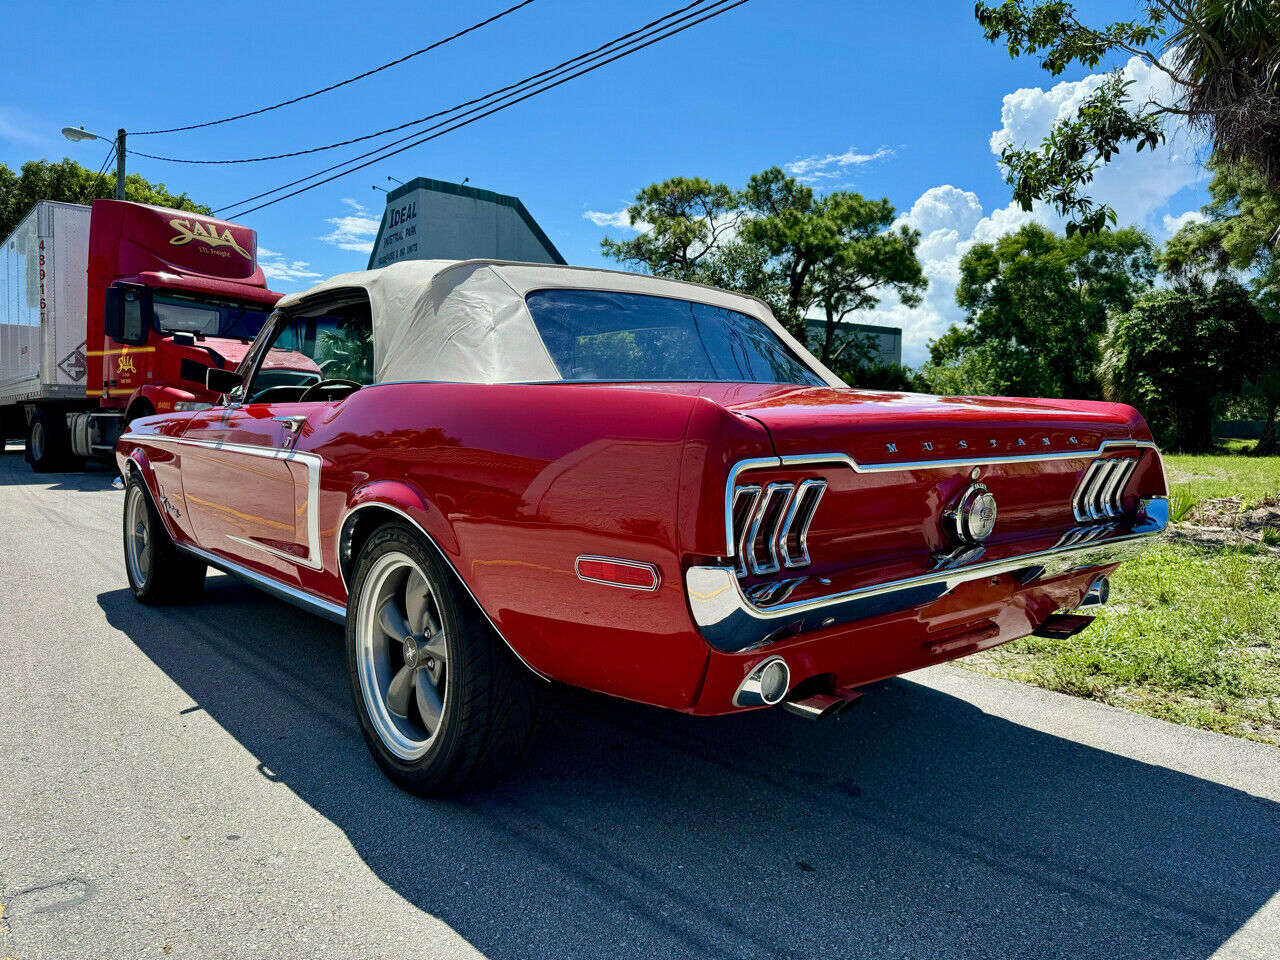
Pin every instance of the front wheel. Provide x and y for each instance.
(158, 571)
(442, 702)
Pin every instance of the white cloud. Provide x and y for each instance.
(1138, 186)
(1173, 224)
(276, 267)
(618, 219)
(817, 168)
(950, 221)
(353, 231)
(1134, 184)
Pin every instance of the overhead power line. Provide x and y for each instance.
(707, 13)
(493, 94)
(496, 96)
(341, 83)
(102, 169)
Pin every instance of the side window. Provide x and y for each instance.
(132, 328)
(305, 350)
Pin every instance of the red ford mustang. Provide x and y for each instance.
(498, 474)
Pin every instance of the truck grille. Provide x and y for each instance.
(1100, 494)
(771, 525)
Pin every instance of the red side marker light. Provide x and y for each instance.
(628, 574)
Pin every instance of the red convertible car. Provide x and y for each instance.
(500, 474)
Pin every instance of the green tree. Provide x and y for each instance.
(1239, 236)
(1221, 57)
(1036, 305)
(836, 253)
(1238, 233)
(779, 241)
(684, 223)
(1178, 353)
(69, 182)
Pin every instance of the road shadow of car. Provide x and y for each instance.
(915, 826)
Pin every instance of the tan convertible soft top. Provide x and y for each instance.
(466, 320)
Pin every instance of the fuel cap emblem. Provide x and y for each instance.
(973, 515)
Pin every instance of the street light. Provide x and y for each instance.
(76, 134)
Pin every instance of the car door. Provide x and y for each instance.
(252, 494)
(249, 495)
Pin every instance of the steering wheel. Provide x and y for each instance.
(324, 386)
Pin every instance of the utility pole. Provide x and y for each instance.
(120, 164)
(80, 133)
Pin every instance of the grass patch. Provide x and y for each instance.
(1211, 477)
(1192, 632)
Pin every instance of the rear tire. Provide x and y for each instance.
(466, 709)
(49, 443)
(158, 572)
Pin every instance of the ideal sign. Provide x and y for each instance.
(433, 220)
(398, 236)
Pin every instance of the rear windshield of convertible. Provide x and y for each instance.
(599, 335)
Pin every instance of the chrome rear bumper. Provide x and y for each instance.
(730, 621)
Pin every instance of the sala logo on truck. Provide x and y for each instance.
(207, 234)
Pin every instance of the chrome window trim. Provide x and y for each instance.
(843, 459)
(312, 461)
(730, 621)
(652, 568)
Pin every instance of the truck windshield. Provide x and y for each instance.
(208, 316)
(597, 335)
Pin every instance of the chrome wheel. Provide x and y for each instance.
(401, 655)
(37, 441)
(138, 533)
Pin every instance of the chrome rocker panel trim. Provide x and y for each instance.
(282, 591)
(731, 622)
(843, 459)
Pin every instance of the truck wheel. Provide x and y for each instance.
(49, 443)
(141, 408)
(442, 702)
(158, 571)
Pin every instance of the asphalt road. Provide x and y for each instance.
(191, 783)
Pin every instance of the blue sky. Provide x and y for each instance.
(896, 100)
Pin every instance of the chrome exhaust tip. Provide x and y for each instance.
(819, 706)
(1098, 593)
(766, 684)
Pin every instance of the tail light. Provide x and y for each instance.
(771, 525)
(1100, 493)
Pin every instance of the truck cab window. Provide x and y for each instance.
(207, 316)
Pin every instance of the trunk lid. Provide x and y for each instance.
(895, 465)
(876, 428)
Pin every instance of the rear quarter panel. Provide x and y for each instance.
(514, 483)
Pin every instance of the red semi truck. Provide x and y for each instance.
(113, 312)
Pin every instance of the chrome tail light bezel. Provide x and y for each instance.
(771, 524)
(1099, 496)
